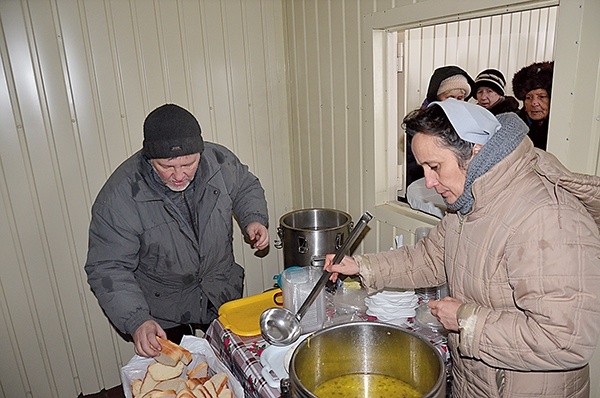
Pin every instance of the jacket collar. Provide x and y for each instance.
(490, 185)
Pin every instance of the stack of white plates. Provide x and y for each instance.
(393, 307)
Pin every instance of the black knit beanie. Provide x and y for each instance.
(171, 131)
(491, 78)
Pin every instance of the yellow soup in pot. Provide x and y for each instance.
(366, 386)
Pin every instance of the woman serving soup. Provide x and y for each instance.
(520, 251)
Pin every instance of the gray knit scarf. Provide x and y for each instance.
(499, 146)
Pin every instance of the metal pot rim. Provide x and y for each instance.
(315, 209)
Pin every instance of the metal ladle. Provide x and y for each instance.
(280, 326)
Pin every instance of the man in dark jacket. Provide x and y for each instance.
(160, 256)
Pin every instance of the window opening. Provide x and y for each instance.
(506, 42)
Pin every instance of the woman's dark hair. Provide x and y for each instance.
(434, 122)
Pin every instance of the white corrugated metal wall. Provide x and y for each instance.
(78, 78)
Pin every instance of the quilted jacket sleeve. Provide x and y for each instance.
(246, 192)
(407, 267)
(112, 257)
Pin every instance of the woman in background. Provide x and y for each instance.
(446, 82)
(533, 86)
(489, 91)
(449, 82)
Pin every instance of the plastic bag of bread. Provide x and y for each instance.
(201, 355)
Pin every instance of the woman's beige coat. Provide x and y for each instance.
(526, 264)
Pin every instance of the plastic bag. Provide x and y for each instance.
(200, 350)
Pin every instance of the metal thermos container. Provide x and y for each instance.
(307, 235)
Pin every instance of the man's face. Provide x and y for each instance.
(537, 104)
(177, 173)
(440, 166)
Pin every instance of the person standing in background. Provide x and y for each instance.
(160, 253)
(489, 91)
(448, 81)
(533, 85)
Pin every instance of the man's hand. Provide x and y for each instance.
(446, 310)
(144, 339)
(258, 234)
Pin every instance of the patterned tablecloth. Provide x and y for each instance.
(242, 355)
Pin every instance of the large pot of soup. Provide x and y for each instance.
(366, 359)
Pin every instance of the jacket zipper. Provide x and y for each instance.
(461, 221)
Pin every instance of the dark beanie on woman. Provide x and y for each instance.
(171, 131)
(491, 78)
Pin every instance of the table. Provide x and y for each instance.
(241, 354)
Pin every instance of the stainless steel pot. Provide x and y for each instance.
(307, 235)
(366, 347)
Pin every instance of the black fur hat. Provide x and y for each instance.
(532, 77)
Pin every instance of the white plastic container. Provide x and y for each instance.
(296, 284)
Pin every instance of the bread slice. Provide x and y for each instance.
(148, 384)
(226, 393)
(185, 394)
(186, 358)
(201, 392)
(202, 389)
(210, 387)
(193, 383)
(170, 353)
(177, 384)
(160, 394)
(136, 387)
(160, 371)
(219, 380)
(201, 370)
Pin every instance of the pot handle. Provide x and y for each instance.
(278, 242)
(317, 261)
(303, 245)
(284, 387)
(267, 374)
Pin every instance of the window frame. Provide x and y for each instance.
(379, 50)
